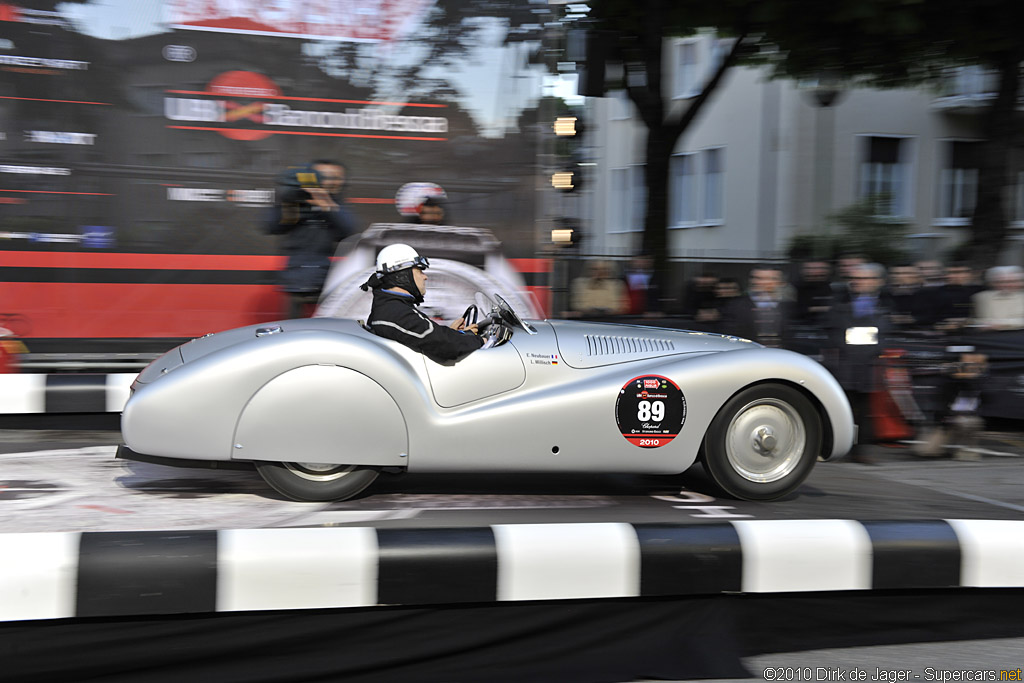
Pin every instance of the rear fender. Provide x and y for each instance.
(322, 414)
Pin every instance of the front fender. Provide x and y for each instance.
(322, 414)
(722, 375)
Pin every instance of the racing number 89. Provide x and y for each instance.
(647, 410)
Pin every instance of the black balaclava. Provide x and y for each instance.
(400, 278)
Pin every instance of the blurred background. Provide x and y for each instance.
(630, 160)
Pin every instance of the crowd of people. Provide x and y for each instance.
(925, 297)
(844, 315)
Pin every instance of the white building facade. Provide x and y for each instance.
(764, 162)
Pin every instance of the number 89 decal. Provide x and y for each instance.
(650, 411)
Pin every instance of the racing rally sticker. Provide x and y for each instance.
(650, 411)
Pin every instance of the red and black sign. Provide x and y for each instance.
(650, 411)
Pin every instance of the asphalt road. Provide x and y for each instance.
(71, 481)
(66, 480)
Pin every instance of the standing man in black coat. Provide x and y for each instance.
(858, 329)
(764, 315)
(313, 218)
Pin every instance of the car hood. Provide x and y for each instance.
(590, 345)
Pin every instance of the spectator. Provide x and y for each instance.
(907, 296)
(764, 315)
(643, 293)
(313, 218)
(955, 298)
(709, 319)
(957, 420)
(814, 294)
(857, 333)
(1001, 306)
(932, 273)
(431, 212)
(845, 268)
(700, 296)
(599, 293)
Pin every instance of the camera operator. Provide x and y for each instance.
(313, 218)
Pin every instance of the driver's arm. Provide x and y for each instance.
(443, 343)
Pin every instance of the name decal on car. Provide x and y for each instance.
(650, 411)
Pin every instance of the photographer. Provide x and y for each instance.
(313, 218)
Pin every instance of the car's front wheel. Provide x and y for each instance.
(316, 482)
(763, 443)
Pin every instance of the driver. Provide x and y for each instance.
(398, 284)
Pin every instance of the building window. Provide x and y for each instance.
(714, 172)
(696, 188)
(884, 174)
(638, 197)
(720, 49)
(628, 199)
(686, 63)
(683, 189)
(970, 82)
(958, 180)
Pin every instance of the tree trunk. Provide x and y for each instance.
(989, 224)
(661, 139)
(660, 143)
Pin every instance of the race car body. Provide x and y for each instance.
(320, 406)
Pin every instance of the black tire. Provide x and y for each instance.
(763, 443)
(308, 482)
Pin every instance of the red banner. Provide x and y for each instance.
(355, 20)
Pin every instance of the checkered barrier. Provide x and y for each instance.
(97, 574)
(27, 393)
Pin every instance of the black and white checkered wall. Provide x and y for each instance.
(59, 575)
(26, 393)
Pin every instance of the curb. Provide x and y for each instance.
(32, 393)
(98, 574)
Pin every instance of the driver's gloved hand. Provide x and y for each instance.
(496, 336)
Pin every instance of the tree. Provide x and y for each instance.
(898, 43)
(635, 34)
(870, 43)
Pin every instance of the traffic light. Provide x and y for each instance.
(568, 130)
(566, 233)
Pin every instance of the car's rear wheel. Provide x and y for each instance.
(763, 443)
(316, 482)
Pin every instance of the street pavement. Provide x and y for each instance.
(71, 481)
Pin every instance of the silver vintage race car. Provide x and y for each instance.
(321, 406)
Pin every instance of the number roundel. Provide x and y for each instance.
(650, 411)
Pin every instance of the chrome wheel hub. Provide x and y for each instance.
(765, 440)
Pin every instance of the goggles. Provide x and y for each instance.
(420, 262)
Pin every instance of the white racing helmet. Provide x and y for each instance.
(396, 257)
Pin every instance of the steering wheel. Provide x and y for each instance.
(510, 316)
(487, 327)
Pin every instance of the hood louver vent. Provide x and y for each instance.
(602, 345)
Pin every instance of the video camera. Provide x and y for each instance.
(293, 184)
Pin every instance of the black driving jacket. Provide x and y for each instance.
(394, 316)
